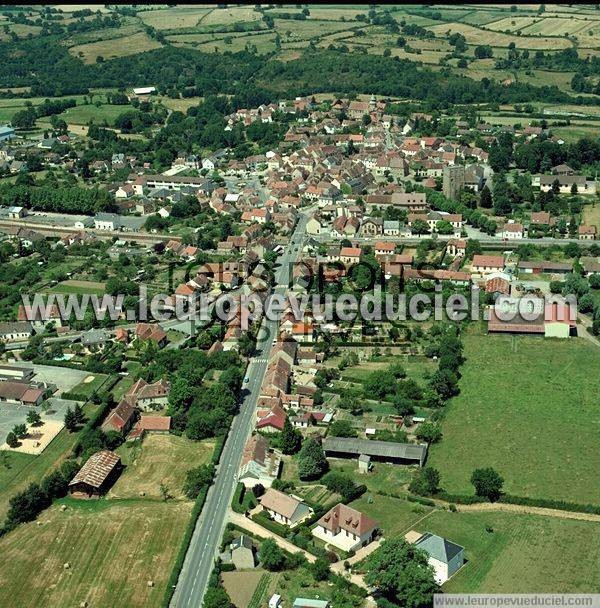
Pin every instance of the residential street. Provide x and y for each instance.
(204, 545)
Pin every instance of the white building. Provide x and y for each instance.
(284, 508)
(345, 528)
(445, 556)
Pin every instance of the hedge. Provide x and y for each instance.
(183, 549)
(189, 531)
(421, 500)
(237, 502)
(549, 503)
(263, 519)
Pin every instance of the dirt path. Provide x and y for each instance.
(503, 506)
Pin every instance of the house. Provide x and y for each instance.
(284, 508)
(6, 133)
(260, 464)
(444, 556)
(540, 218)
(242, 552)
(483, 264)
(384, 248)
(273, 421)
(107, 221)
(590, 265)
(20, 393)
(148, 397)
(121, 418)
(345, 528)
(562, 170)
(14, 331)
(301, 602)
(384, 451)
(372, 226)
(413, 201)
(350, 255)
(40, 317)
(586, 233)
(511, 231)
(151, 331)
(96, 475)
(456, 247)
(94, 338)
(552, 320)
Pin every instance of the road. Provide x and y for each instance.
(203, 549)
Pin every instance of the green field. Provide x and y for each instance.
(113, 549)
(88, 388)
(522, 554)
(529, 408)
(17, 470)
(79, 287)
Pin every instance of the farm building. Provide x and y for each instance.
(387, 451)
(96, 475)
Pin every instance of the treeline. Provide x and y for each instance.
(59, 199)
(49, 69)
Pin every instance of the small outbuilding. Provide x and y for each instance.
(96, 476)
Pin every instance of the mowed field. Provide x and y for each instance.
(529, 408)
(79, 287)
(117, 47)
(591, 215)
(158, 460)
(522, 554)
(113, 550)
(113, 546)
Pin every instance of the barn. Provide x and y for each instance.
(386, 451)
(96, 475)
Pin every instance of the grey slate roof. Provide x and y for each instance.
(382, 449)
(437, 547)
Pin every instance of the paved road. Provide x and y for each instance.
(199, 560)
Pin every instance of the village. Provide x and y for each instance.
(334, 423)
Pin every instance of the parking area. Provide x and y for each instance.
(63, 377)
(52, 415)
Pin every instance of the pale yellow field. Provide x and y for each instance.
(119, 47)
(231, 15)
(511, 23)
(264, 43)
(591, 215)
(174, 18)
(475, 35)
(150, 464)
(561, 27)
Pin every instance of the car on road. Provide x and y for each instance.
(246, 380)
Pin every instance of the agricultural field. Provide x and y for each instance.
(113, 549)
(79, 287)
(476, 36)
(528, 408)
(150, 464)
(505, 552)
(264, 43)
(117, 47)
(174, 18)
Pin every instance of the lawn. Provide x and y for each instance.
(174, 18)
(94, 383)
(523, 554)
(384, 477)
(82, 115)
(591, 215)
(529, 408)
(159, 459)
(113, 550)
(79, 287)
(17, 471)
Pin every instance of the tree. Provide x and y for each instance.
(420, 227)
(485, 198)
(216, 597)
(12, 440)
(197, 479)
(488, 483)
(34, 418)
(320, 569)
(70, 420)
(425, 482)
(291, 439)
(402, 574)
(341, 428)
(342, 484)
(20, 430)
(378, 384)
(429, 432)
(271, 556)
(483, 52)
(311, 460)
(444, 227)
(556, 286)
